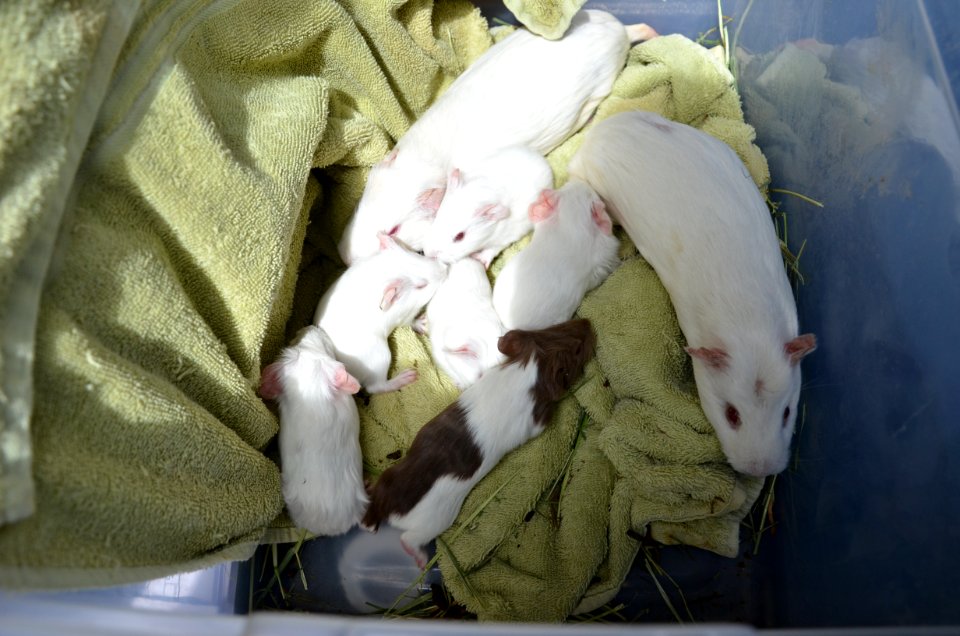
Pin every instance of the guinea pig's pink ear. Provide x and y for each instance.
(544, 206)
(800, 347)
(715, 358)
(598, 211)
(430, 199)
(493, 212)
(386, 240)
(391, 293)
(343, 381)
(270, 385)
(387, 161)
(454, 179)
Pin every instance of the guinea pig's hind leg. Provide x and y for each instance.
(395, 383)
(418, 554)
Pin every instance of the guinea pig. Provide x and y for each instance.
(523, 91)
(463, 326)
(485, 206)
(572, 251)
(371, 298)
(400, 199)
(689, 204)
(321, 463)
(422, 493)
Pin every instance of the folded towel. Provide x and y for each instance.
(631, 450)
(179, 253)
(547, 18)
(55, 60)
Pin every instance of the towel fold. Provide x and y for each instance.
(179, 253)
(547, 18)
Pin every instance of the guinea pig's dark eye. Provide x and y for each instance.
(458, 237)
(733, 416)
(786, 415)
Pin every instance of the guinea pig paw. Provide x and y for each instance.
(404, 378)
(420, 324)
(418, 555)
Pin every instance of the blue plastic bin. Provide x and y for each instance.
(868, 515)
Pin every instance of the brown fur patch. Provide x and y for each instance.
(560, 352)
(444, 446)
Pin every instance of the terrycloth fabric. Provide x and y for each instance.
(548, 18)
(177, 260)
(55, 60)
(552, 535)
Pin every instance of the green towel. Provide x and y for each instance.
(631, 450)
(55, 62)
(548, 18)
(177, 259)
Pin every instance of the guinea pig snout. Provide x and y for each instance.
(761, 467)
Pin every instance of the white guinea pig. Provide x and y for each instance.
(400, 199)
(486, 203)
(373, 297)
(321, 462)
(523, 91)
(463, 326)
(693, 211)
(422, 493)
(572, 251)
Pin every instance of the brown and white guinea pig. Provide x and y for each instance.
(422, 493)
(572, 251)
(373, 297)
(523, 91)
(693, 211)
(321, 462)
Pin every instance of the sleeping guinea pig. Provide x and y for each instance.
(523, 91)
(572, 251)
(423, 492)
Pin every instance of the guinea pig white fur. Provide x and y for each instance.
(422, 493)
(463, 326)
(373, 297)
(400, 199)
(321, 462)
(694, 213)
(572, 251)
(486, 205)
(523, 91)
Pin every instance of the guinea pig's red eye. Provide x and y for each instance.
(458, 237)
(393, 230)
(733, 416)
(786, 415)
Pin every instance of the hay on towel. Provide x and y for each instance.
(548, 545)
(179, 253)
